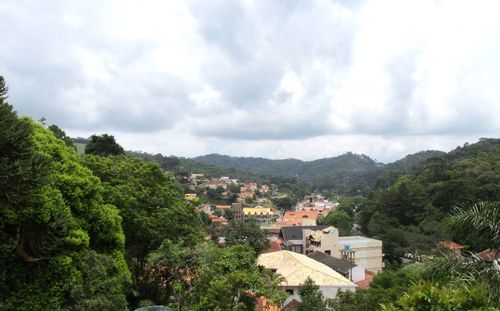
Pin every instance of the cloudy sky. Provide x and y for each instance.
(276, 79)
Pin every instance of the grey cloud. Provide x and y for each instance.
(47, 79)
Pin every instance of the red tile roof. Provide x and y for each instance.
(489, 254)
(274, 246)
(364, 284)
(450, 245)
(295, 215)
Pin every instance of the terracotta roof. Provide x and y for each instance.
(262, 305)
(290, 215)
(220, 206)
(489, 254)
(364, 284)
(274, 246)
(296, 268)
(450, 245)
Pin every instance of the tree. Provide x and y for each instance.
(467, 268)
(52, 220)
(59, 133)
(312, 298)
(424, 296)
(340, 220)
(228, 279)
(103, 145)
(249, 233)
(153, 210)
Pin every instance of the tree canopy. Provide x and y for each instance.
(103, 145)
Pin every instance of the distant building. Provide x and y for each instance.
(362, 251)
(223, 207)
(259, 213)
(191, 197)
(308, 218)
(237, 209)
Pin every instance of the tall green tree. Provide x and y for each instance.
(153, 210)
(103, 145)
(59, 133)
(340, 220)
(229, 279)
(311, 297)
(55, 229)
(249, 233)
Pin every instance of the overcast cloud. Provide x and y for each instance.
(276, 79)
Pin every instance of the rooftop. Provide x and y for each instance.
(356, 239)
(336, 264)
(296, 268)
(257, 211)
(295, 232)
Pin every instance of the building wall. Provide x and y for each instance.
(368, 254)
(328, 291)
(357, 274)
(237, 209)
(332, 291)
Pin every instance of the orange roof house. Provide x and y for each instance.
(220, 206)
(451, 246)
(308, 218)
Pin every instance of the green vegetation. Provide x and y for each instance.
(106, 231)
(61, 244)
(312, 298)
(410, 214)
(103, 145)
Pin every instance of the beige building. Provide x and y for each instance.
(296, 268)
(362, 251)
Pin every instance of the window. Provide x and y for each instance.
(328, 252)
(289, 291)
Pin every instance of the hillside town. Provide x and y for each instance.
(299, 247)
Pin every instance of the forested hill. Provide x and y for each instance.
(409, 214)
(413, 161)
(348, 162)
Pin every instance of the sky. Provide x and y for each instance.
(275, 79)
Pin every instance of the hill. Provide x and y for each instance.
(348, 162)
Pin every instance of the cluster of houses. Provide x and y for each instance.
(246, 190)
(300, 248)
(336, 264)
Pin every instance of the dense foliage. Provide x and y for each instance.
(409, 215)
(153, 211)
(61, 244)
(103, 145)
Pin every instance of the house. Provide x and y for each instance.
(345, 267)
(308, 217)
(259, 213)
(362, 251)
(451, 246)
(489, 254)
(191, 197)
(296, 268)
(217, 219)
(222, 207)
(246, 194)
(237, 209)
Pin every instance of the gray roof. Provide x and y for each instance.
(337, 264)
(295, 232)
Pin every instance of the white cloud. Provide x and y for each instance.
(277, 79)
